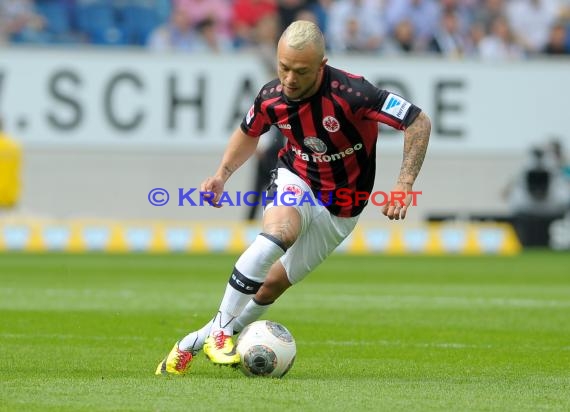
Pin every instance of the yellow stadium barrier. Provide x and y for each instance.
(33, 235)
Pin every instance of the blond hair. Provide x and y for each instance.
(302, 33)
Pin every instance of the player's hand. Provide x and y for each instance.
(211, 190)
(399, 200)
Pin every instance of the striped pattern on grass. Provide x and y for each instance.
(85, 333)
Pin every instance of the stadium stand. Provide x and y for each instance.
(130, 22)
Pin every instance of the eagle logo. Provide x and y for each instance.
(331, 124)
(291, 188)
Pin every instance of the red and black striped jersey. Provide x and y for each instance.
(331, 136)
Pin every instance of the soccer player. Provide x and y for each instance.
(330, 121)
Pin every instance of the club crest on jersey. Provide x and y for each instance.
(250, 114)
(291, 188)
(331, 124)
(315, 144)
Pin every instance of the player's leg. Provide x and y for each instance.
(324, 235)
(281, 227)
(179, 359)
(275, 284)
(283, 222)
(321, 238)
(194, 341)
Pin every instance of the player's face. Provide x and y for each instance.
(300, 71)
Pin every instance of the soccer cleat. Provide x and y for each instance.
(176, 363)
(221, 350)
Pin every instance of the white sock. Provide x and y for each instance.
(194, 341)
(246, 279)
(252, 312)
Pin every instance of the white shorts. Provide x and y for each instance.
(321, 232)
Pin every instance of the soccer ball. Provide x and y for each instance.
(266, 349)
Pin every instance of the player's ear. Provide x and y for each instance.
(323, 63)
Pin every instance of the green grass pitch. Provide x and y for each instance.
(376, 333)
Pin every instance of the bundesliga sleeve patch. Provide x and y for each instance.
(249, 115)
(396, 106)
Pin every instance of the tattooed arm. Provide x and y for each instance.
(240, 148)
(416, 138)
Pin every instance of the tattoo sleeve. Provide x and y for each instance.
(416, 138)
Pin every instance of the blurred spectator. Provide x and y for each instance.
(488, 11)
(246, 15)
(447, 27)
(463, 11)
(176, 35)
(208, 39)
(448, 39)
(557, 40)
(476, 33)
(402, 40)
(20, 23)
(288, 10)
(307, 15)
(500, 43)
(423, 14)
(264, 42)
(321, 10)
(219, 11)
(530, 21)
(564, 11)
(355, 26)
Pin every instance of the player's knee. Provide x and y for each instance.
(283, 223)
(284, 237)
(286, 232)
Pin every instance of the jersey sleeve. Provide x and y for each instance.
(389, 108)
(255, 122)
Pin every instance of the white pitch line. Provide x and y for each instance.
(396, 343)
(423, 345)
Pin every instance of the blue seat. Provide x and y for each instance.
(94, 16)
(109, 36)
(139, 19)
(56, 15)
